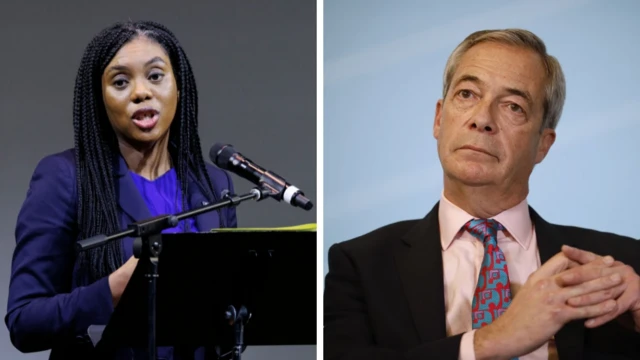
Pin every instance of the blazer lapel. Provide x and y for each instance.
(570, 339)
(418, 257)
(129, 198)
(206, 221)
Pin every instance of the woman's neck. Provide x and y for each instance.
(149, 161)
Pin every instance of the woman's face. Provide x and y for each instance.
(140, 93)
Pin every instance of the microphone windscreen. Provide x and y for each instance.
(220, 154)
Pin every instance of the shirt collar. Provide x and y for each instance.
(516, 221)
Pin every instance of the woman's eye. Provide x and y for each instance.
(156, 77)
(119, 83)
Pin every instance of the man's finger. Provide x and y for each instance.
(577, 275)
(558, 263)
(623, 303)
(598, 296)
(593, 311)
(598, 284)
(574, 264)
(601, 320)
(579, 255)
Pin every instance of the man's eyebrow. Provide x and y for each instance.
(522, 93)
(513, 91)
(470, 78)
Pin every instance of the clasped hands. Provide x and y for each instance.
(622, 295)
(572, 285)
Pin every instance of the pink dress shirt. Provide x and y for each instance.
(462, 257)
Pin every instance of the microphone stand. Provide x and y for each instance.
(147, 246)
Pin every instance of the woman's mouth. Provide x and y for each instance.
(146, 119)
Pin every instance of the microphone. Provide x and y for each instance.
(227, 158)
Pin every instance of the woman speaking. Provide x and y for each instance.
(137, 155)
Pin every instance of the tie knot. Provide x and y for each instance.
(483, 229)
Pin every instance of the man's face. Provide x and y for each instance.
(488, 125)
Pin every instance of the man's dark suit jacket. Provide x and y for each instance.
(384, 294)
(45, 310)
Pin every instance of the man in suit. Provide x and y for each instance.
(441, 287)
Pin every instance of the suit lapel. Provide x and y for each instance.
(418, 257)
(570, 339)
(129, 198)
(206, 221)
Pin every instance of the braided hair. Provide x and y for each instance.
(96, 146)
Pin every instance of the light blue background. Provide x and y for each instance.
(383, 66)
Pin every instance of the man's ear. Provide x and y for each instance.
(547, 138)
(437, 119)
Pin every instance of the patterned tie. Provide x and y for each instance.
(493, 293)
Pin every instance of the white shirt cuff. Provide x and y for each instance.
(467, 352)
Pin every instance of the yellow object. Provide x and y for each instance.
(304, 227)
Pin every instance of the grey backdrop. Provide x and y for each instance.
(255, 68)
